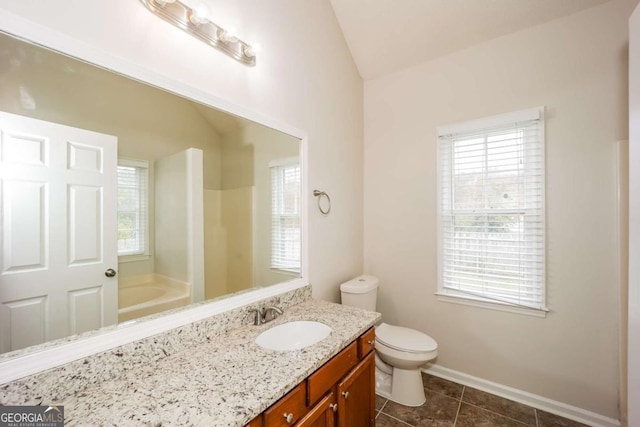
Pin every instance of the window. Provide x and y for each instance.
(491, 213)
(132, 207)
(285, 215)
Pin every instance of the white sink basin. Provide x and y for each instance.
(293, 335)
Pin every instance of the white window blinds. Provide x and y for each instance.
(133, 176)
(285, 216)
(492, 229)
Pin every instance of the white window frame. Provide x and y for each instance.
(143, 255)
(453, 296)
(275, 166)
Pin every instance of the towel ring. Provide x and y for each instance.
(319, 195)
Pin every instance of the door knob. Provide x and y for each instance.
(110, 272)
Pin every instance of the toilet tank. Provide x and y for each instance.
(360, 292)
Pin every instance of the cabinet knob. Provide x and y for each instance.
(371, 342)
(288, 417)
(334, 407)
(345, 394)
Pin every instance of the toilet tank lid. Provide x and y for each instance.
(360, 285)
(405, 339)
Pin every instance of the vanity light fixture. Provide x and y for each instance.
(228, 36)
(195, 21)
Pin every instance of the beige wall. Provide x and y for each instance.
(577, 68)
(305, 77)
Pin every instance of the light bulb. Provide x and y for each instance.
(228, 36)
(199, 14)
(251, 51)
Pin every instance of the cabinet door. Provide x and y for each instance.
(322, 415)
(356, 396)
(256, 422)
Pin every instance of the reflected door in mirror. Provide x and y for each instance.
(58, 201)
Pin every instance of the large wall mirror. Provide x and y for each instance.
(120, 200)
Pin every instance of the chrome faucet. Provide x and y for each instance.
(271, 313)
(266, 314)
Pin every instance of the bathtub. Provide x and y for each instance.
(147, 294)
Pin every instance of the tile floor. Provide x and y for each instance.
(452, 404)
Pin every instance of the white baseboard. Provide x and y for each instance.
(538, 402)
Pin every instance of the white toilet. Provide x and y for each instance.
(400, 352)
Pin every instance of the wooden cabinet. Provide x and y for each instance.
(256, 422)
(321, 381)
(340, 393)
(366, 342)
(356, 395)
(287, 410)
(322, 414)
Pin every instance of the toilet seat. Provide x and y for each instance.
(405, 339)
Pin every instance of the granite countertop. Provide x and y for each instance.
(226, 382)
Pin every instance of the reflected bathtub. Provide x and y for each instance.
(147, 294)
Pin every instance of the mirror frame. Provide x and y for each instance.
(100, 340)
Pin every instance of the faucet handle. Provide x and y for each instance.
(271, 313)
(274, 308)
(259, 318)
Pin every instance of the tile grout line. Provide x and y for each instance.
(503, 415)
(455, 421)
(535, 411)
(398, 419)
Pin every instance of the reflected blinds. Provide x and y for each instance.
(132, 207)
(492, 230)
(285, 217)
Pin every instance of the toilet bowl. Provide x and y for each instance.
(400, 351)
(405, 351)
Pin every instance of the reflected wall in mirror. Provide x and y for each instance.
(120, 200)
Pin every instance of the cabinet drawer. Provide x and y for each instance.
(292, 403)
(319, 383)
(366, 343)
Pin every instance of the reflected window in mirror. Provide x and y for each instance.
(285, 208)
(133, 207)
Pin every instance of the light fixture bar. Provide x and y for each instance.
(188, 19)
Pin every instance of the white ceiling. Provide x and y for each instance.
(388, 35)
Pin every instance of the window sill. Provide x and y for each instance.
(133, 258)
(491, 305)
(285, 272)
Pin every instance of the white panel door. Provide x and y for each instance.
(58, 231)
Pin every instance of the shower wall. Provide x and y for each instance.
(215, 245)
(179, 242)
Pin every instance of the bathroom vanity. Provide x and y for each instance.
(212, 373)
(341, 392)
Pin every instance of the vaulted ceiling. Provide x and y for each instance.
(389, 35)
